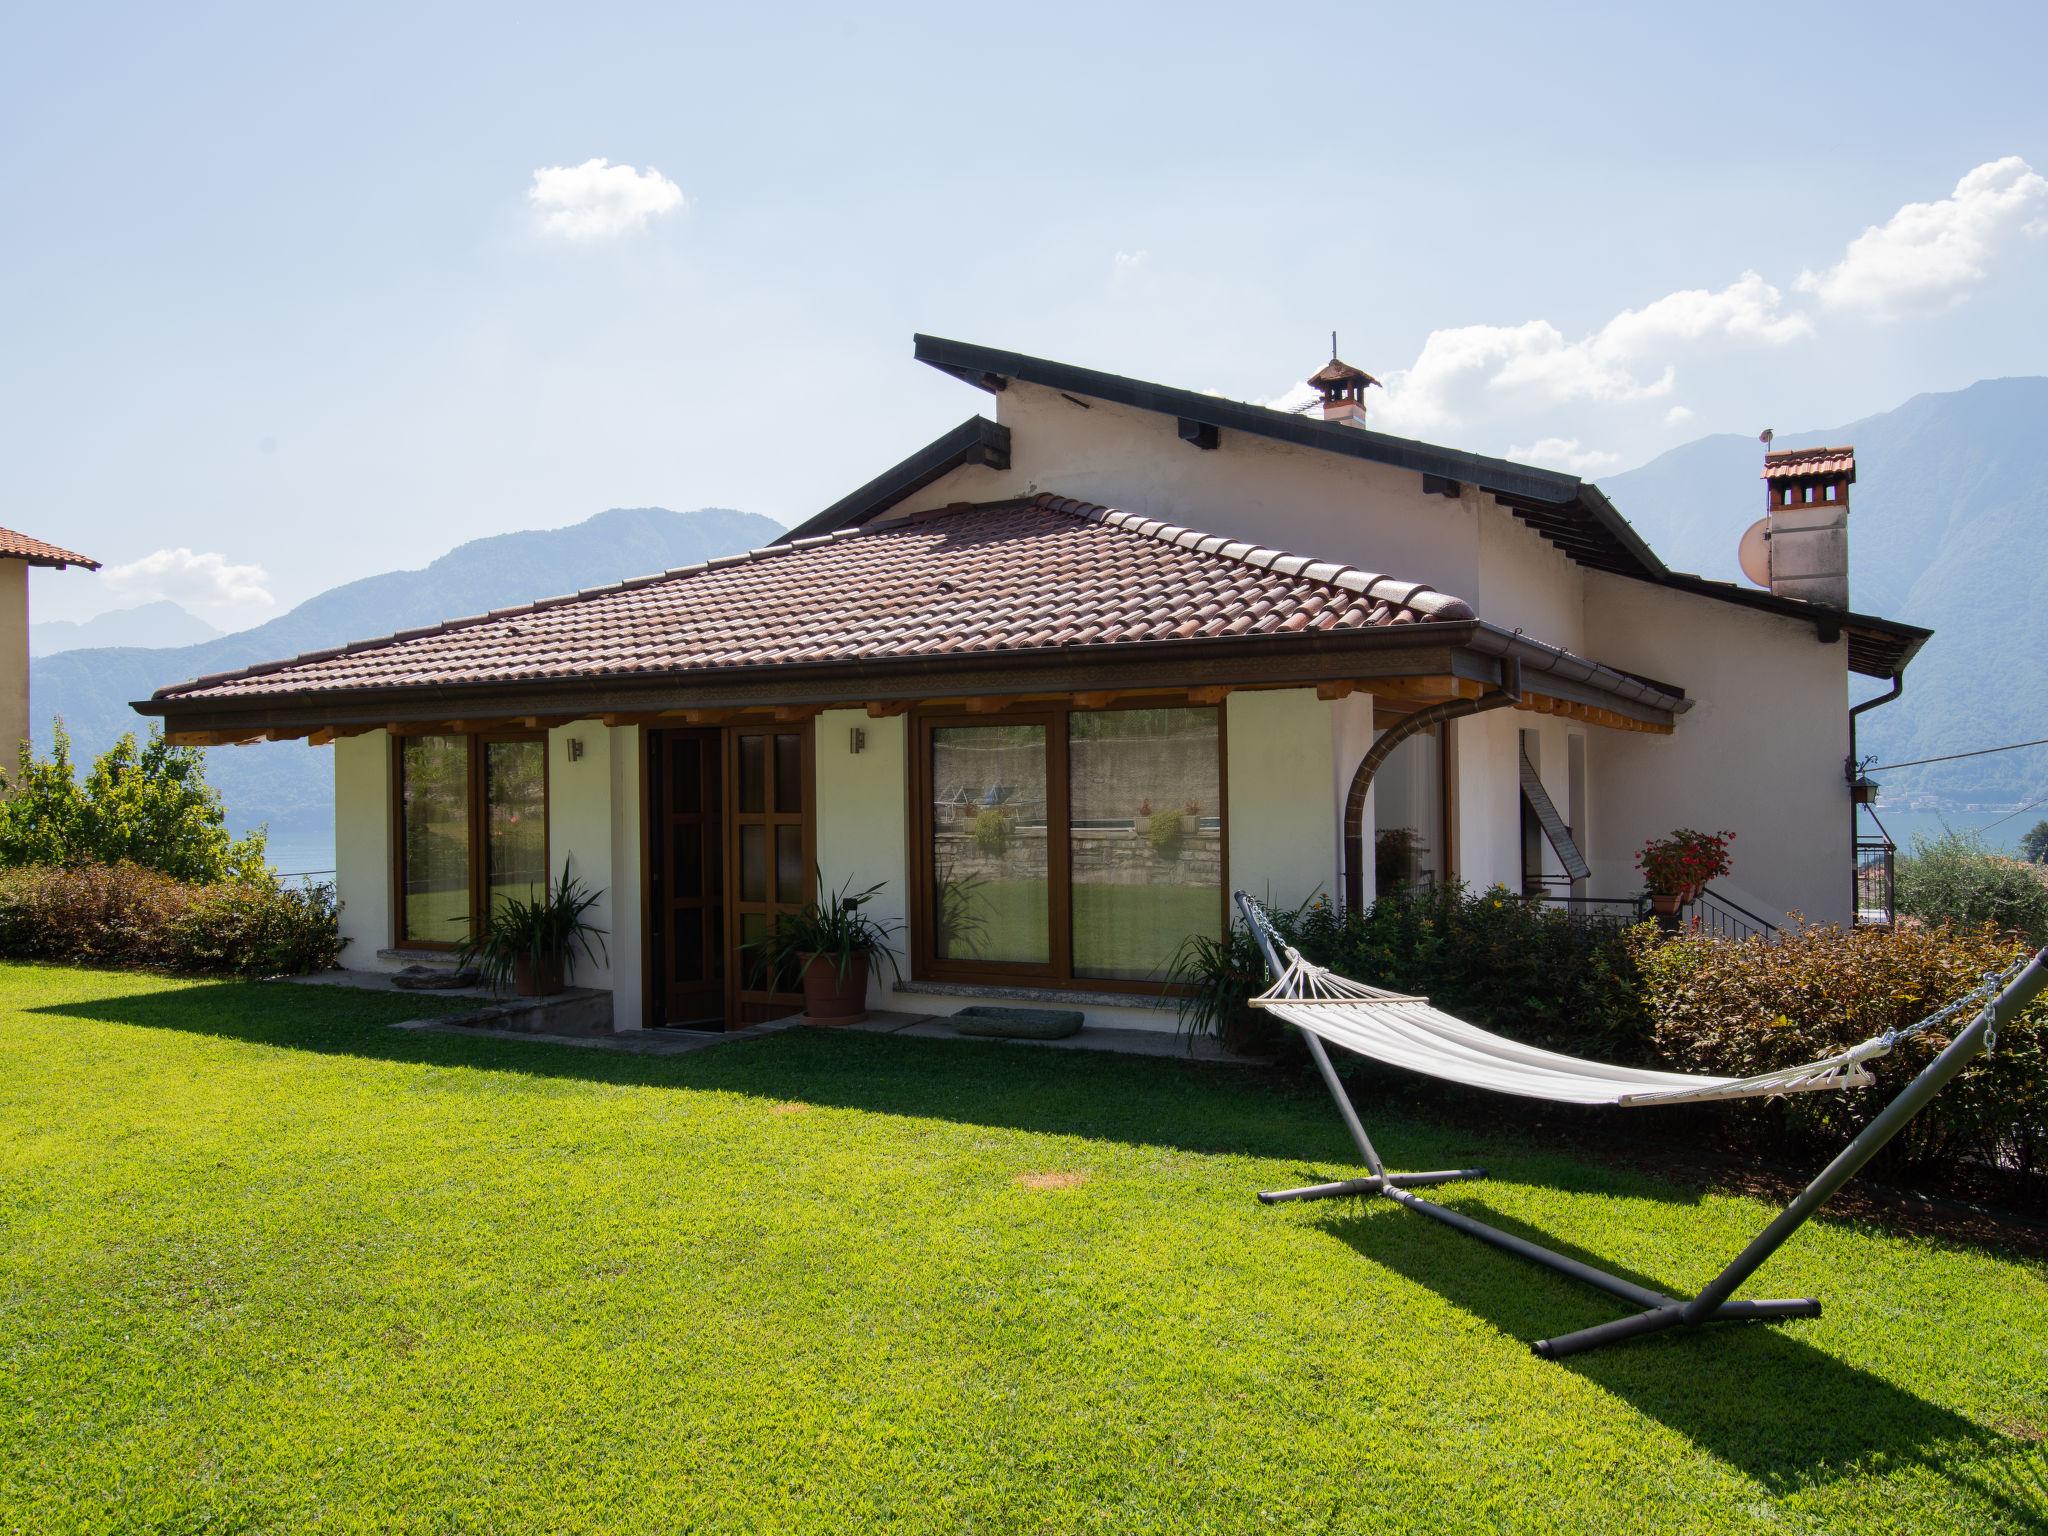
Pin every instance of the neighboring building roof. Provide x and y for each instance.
(1809, 463)
(19, 546)
(997, 577)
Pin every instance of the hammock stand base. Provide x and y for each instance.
(1660, 1312)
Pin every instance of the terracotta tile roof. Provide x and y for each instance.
(19, 546)
(1802, 463)
(1004, 576)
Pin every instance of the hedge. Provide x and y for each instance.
(1737, 1008)
(125, 914)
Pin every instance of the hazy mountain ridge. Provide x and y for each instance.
(161, 623)
(1946, 525)
(290, 785)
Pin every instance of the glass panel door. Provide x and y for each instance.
(1145, 838)
(990, 875)
(770, 869)
(433, 797)
(515, 820)
(687, 885)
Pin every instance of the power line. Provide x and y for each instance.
(2008, 816)
(1953, 756)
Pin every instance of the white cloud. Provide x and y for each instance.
(1476, 370)
(597, 200)
(1678, 416)
(1565, 453)
(1130, 261)
(193, 581)
(1927, 255)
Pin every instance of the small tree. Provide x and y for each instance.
(1957, 878)
(2034, 844)
(147, 805)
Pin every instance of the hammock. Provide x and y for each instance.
(1406, 1031)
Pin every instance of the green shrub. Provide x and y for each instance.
(148, 805)
(992, 830)
(1957, 878)
(1738, 1008)
(1165, 831)
(1511, 964)
(126, 914)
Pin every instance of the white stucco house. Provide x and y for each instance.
(1060, 680)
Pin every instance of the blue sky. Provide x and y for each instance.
(276, 290)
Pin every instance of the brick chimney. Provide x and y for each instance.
(1806, 504)
(1342, 388)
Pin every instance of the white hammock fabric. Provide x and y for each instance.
(1405, 1031)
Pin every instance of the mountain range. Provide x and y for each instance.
(289, 785)
(160, 623)
(1946, 522)
(1945, 529)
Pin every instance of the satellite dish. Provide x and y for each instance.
(1754, 552)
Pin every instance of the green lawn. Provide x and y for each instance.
(267, 1265)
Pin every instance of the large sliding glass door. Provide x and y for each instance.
(1067, 845)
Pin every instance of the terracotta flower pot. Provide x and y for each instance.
(830, 998)
(1666, 903)
(537, 978)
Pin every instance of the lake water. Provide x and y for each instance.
(2002, 830)
(302, 854)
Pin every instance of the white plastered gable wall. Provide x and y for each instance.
(1780, 788)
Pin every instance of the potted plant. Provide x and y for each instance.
(830, 945)
(531, 942)
(1677, 868)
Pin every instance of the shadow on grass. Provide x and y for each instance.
(1752, 1394)
(1154, 1101)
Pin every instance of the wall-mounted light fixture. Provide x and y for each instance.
(856, 738)
(575, 748)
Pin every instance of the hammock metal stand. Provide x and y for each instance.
(1659, 1312)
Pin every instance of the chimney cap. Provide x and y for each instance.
(1336, 373)
(1811, 464)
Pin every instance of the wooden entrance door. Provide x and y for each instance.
(687, 888)
(769, 855)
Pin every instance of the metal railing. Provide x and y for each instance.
(1717, 913)
(1598, 909)
(1876, 872)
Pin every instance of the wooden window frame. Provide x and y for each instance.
(1057, 971)
(478, 831)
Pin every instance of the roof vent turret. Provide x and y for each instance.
(1342, 388)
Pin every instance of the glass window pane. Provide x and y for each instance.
(515, 818)
(1408, 814)
(1146, 837)
(988, 844)
(433, 792)
(754, 863)
(687, 876)
(789, 864)
(789, 774)
(753, 787)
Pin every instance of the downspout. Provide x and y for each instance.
(1854, 765)
(1509, 692)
